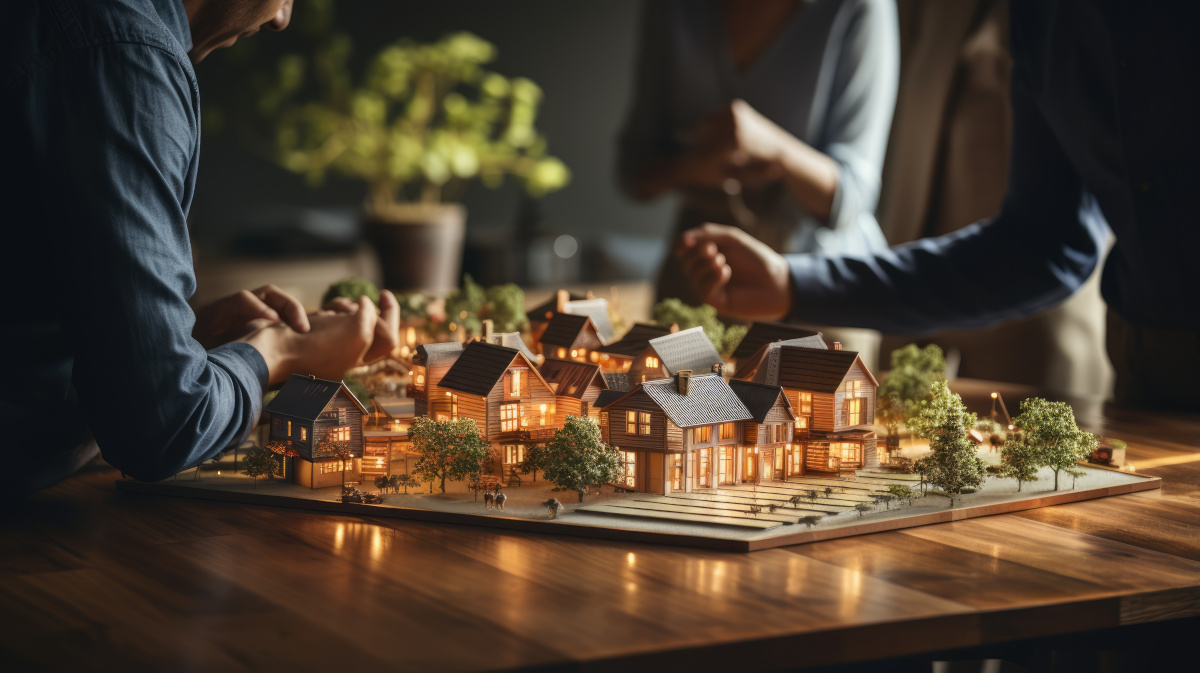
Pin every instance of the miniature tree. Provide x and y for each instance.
(902, 493)
(404, 481)
(257, 463)
(576, 458)
(810, 520)
(464, 305)
(953, 466)
(1019, 460)
(535, 459)
(1050, 430)
(863, 508)
(447, 449)
(908, 384)
(382, 482)
(352, 289)
(340, 450)
(505, 306)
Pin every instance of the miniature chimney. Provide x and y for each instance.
(589, 295)
(837, 345)
(488, 326)
(682, 379)
(563, 298)
(674, 327)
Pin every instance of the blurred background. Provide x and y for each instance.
(532, 98)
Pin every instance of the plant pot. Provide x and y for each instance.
(420, 246)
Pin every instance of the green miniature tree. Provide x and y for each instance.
(259, 462)
(535, 459)
(863, 508)
(505, 306)
(810, 520)
(908, 384)
(1050, 430)
(953, 467)
(464, 305)
(382, 482)
(447, 449)
(352, 289)
(576, 458)
(902, 493)
(404, 481)
(1019, 460)
(674, 312)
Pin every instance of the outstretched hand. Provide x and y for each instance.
(736, 273)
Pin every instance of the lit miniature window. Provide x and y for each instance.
(453, 407)
(629, 462)
(338, 434)
(303, 434)
(801, 422)
(643, 422)
(420, 379)
(289, 428)
(574, 352)
(854, 411)
(562, 354)
(631, 422)
(804, 405)
(728, 431)
(516, 383)
(543, 410)
(514, 454)
(508, 417)
(595, 357)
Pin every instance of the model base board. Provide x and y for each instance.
(733, 518)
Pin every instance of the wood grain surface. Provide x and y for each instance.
(92, 578)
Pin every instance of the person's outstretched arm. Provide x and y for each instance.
(1043, 245)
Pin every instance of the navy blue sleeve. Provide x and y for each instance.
(1040, 248)
(125, 121)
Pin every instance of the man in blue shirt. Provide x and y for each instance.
(1104, 135)
(101, 115)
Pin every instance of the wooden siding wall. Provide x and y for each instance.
(638, 368)
(779, 413)
(639, 401)
(324, 423)
(752, 431)
(538, 394)
(856, 373)
(822, 409)
(567, 406)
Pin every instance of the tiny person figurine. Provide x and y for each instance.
(553, 507)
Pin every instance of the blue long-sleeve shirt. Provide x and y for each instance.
(1104, 130)
(100, 110)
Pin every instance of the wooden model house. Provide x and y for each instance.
(539, 316)
(617, 356)
(430, 364)
(506, 395)
(759, 334)
(768, 433)
(746, 367)
(678, 434)
(571, 337)
(832, 395)
(312, 421)
(669, 354)
(576, 385)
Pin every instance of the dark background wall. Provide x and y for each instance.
(580, 53)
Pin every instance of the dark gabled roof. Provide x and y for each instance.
(597, 310)
(759, 398)
(564, 329)
(709, 400)
(686, 349)
(479, 368)
(816, 369)
(433, 355)
(635, 340)
(538, 313)
(747, 367)
(761, 333)
(306, 396)
(573, 378)
(607, 397)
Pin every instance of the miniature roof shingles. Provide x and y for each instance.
(635, 340)
(761, 333)
(564, 329)
(607, 397)
(709, 400)
(479, 368)
(747, 368)
(816, 369)
(433, 355)
(618, 381)
(306, 396)
(597, 310)
(546, 310)
(686, 349)
(573, 378)
(759, 398)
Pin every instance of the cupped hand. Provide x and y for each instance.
(241, 313)
(736, 273)
(387, 327)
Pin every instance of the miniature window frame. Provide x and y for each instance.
(509, 415)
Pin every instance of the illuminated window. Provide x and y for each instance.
(338, 434)
(643, 422)
(420, 379)
(803, 409)
(702, 435)
(453, 407)
(574, 352)
(562, 354)
(514, 454)
(677, 471)
(542, 409)
(854, 411)
(516, 382)
(797, 457)
(728, 431)
(595, 357)
(651, 362)
(631, 422)
(289, 428)
(303, 434)
(508, 417)
(853, 388)
(850, 452)
(704, 468)
(801, 422)
(629, 463)
(725, 465)
(331, 467)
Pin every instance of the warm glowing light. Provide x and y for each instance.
(631, 559)
(562, 353)
(420, 379)
(595, 356)
(453, 327)
(543, 408)
(410, 335)
(995, 395)
(447, 394)
(462, 315)
(574, 352)
(218, 473)
(1010, 427)
(1131, 468)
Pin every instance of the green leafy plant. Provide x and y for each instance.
(448, 450)
(1019, 460)
(910, 382)
(953, 466)
(471, 304)
(902, 493)
(352, 289)
(535, 460)
(419, 123)
(259, 462)
(674, 312)
(1050, 431)
(577, 459)
(404, 481)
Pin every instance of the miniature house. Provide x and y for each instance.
(502, 390)
(539, 316)
(617, 356)
(678, 434)
(759, 334)
(669, 354)
(571, 337)
(768, 433)
(832, 395)
(576, 385)
(314, 423)
(430, 364)
(746, 367)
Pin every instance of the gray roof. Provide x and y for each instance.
(686, 349)
(512, 340)
(479, 368)
(432, 355)
(597, 310)
(761, 333)
(759, 398)
(709, 400)
(307, 396)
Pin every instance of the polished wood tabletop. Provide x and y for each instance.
(95, 578)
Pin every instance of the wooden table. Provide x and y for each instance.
(91, 577)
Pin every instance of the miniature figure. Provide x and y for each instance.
(553, 507)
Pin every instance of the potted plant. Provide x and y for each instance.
(423, 122)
